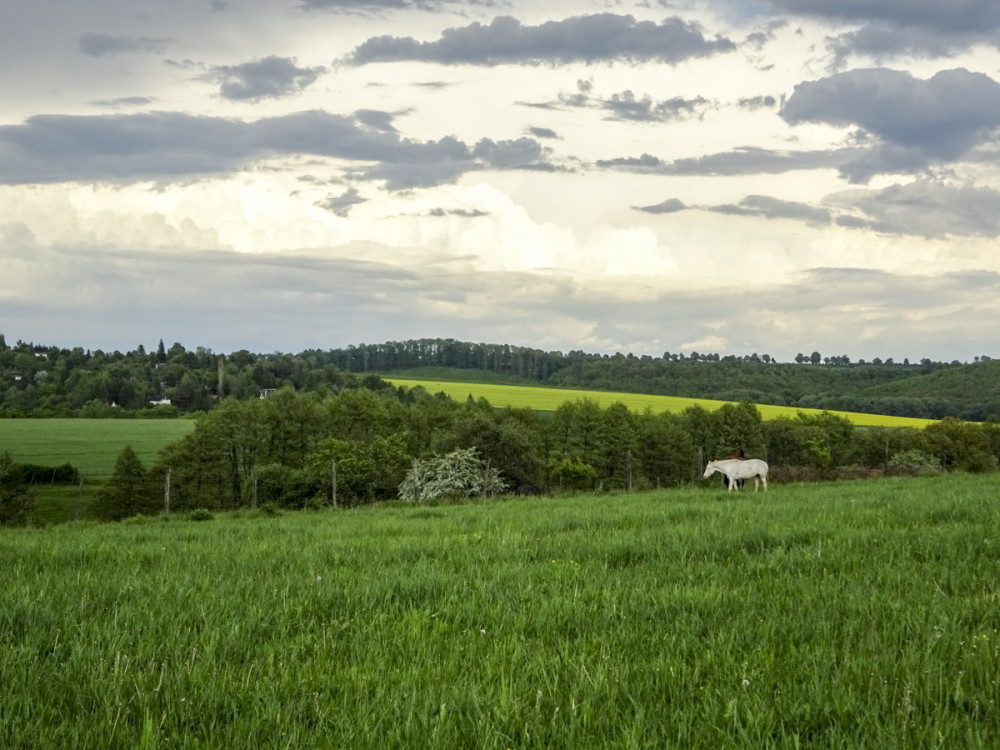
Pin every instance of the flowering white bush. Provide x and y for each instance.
(461, 473)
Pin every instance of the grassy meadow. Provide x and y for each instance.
(854, 614)
(91, 445)
(549, 399)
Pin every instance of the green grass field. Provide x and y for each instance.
(847, 615)
(91, 445)
(549, 399)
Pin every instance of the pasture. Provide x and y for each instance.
(91, 445)
(549, 399)
(855, 614)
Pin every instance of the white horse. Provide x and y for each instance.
(735, 468)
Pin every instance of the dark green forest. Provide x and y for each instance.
(49, 381)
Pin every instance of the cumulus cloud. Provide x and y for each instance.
(125, 101)
(464, 213)
(626, 105)
(102, 45)
(769, 207)
(890, 27)
(269, 78)
(954, 16)
(757, 102)
(377, 119)
(915, 121)
(342, 204)
(542, 132)
(669, 206)
(925, 207)
(594, 38)
(165, 146)
(745, 160)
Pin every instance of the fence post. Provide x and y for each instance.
(79, 500)
(253, 488)
(333, 481)
(166, 493)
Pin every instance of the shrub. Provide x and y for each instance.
(914, 462)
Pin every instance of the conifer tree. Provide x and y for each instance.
(15, 499)
(125, 493)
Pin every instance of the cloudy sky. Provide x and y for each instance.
(733, 176)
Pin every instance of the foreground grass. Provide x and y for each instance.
(549, 399)
(834, 615)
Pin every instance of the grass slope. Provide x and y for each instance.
(91, 445)
(830, 615)
(549, 399)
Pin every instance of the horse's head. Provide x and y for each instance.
(709, 470)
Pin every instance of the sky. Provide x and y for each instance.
(733, 176)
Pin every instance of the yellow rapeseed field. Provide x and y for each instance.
(549, 399)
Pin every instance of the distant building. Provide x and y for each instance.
(160, 401)
(265, 392)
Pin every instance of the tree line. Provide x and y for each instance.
(49, 381)
(372, 444)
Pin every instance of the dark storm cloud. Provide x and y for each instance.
(595, 38)
(100, 45)
(916, 122)
(162, 146)
(669, 206)
(271, 77)
(774, 208)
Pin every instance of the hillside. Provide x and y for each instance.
(50, 381)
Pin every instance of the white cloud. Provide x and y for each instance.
(566, 179)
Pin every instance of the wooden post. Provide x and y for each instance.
(79, 500)
(166, 493)
(333, 481)
(253, 487)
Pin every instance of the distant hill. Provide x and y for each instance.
(37, 380)
(928, 390)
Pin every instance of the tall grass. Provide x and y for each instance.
(831, 615)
